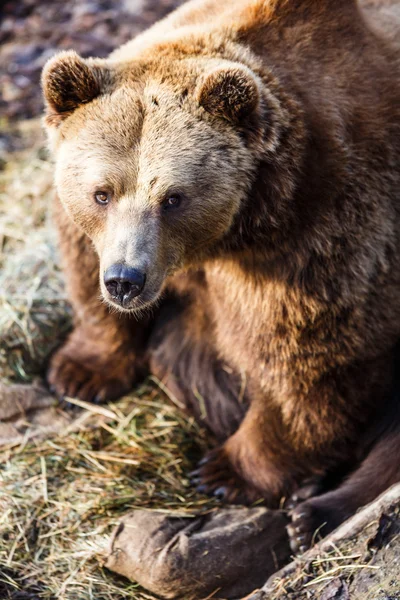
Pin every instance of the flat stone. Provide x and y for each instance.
(227, 553)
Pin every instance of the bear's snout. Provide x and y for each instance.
(124, 283)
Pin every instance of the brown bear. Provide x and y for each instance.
(229, 217)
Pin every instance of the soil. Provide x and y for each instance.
(31, 31)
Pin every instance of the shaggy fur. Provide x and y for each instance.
(271, 305)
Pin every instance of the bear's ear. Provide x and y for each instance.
(229, 92)
(67, 81)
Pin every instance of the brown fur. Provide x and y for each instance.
(271, 305)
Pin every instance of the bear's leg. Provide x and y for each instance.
(253, 464)
(320, 515)
(103, 355)
(284, 440)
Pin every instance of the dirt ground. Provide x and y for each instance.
(33, 30)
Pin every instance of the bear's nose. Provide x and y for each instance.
(124, 283)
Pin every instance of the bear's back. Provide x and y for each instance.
(206, 17)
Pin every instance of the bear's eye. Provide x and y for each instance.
(173, 201)
(102, 197)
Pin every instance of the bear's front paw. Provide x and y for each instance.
(216, 476)
(90, 378)
(312, 520)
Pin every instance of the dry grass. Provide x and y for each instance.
(60, 498)
(310, 578)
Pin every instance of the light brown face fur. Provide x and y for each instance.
(142, 145)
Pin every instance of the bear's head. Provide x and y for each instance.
(152, 163)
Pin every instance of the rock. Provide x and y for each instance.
(226, 553)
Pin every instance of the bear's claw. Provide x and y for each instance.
(312, 520)
(302, 529)
(308, 489)
(215, 476)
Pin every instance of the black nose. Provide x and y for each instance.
(123, 283)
